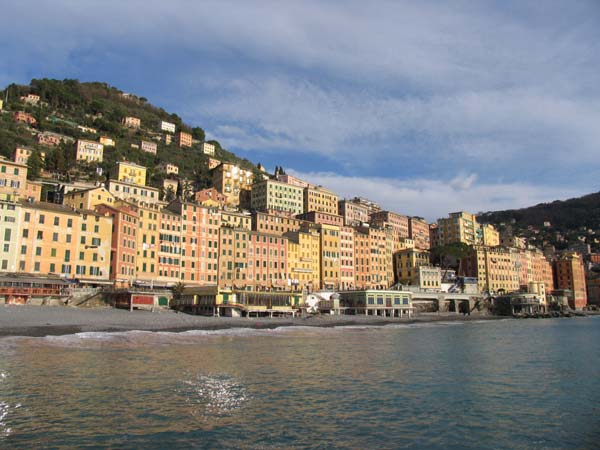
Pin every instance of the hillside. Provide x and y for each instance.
(65, 105)
(559, 223)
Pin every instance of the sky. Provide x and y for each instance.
(426, 107)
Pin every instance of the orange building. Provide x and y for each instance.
(267, 261)
(418, 231)
(123, 253)
(398, 222)
(569, 273)
(20, 116)
(183, 139)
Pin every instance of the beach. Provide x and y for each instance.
(24, 320)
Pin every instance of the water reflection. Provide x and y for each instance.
(211, 397)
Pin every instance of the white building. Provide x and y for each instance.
(167, 126)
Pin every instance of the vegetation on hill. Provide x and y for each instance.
(68, 103)
(559, 223)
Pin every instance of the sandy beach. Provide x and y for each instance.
(47, 320)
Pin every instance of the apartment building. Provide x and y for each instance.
(304, 260)
(89, 151)
(569, 273)
(129, 172)
(272, 195)
(232, 181)
(13, 179)
(418, 231)
(148, 147)
(131, 122)
(458, 227)
(397, 222)
(354, 213)
(88, 198)
(183, 139)
(207, 149)
(319, 199)
(123, 252)
(167, 126)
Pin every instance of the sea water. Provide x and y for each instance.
(530, 384)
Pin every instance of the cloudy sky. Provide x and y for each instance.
(425, 106)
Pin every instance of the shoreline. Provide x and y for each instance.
(40, 321)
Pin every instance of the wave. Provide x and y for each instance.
(156, 336)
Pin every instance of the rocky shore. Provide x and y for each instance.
(47, 320)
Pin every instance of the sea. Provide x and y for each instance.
(505, 384)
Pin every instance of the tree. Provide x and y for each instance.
(35, 164)
(198, 133)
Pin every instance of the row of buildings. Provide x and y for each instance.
(267, 234)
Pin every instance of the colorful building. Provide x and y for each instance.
(183, 139)
(123, 251)
(418, 231)
(407, 263)
(20, 116)
(271, 195)
(88, 198)
(89, 151)
(167, 126)
(458, 227)
(132, 122)
(148, 147)
(397, 222)
(131, 173)
(353, 212)
(13, 179)
(304, 260)
(232, 182)
(569, 273)
(319, 199)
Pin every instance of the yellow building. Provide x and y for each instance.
(107, 142)
(407, 263)
(13, 179)
(148, 241)
(230, 180)
(89, 151)
(236, 220)
(330, 256)
(89, 198)
(496, 268)
(489, 235)
(22, 155)
(319, 199)
(304, 260)
(131, 173)
(57, 239)
(458, 227)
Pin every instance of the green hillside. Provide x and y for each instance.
(570, 221)
(68, 103)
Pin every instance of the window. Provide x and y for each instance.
(56, 221)
(42, 218)
(40, 235)
(53, 252)
(69, 223)
(23, 249)
(7, 234)
(55, 237)
(27, 217)
(67, 256)
(38, 251)
(52, 268)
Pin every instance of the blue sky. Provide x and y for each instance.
(427, 107)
